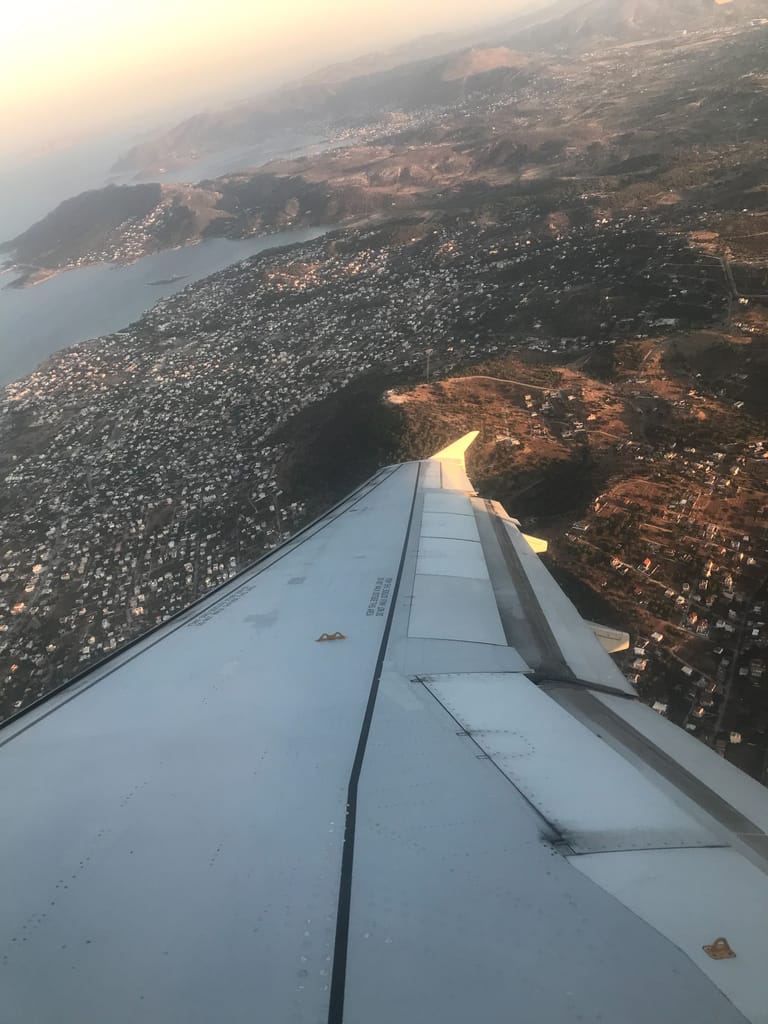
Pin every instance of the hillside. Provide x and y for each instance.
(423, 73)
(676, 129)
(318, 105)
(479, 61)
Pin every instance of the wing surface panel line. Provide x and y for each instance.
(341, 943)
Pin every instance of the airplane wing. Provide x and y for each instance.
(387, 774)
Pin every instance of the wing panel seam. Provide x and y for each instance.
(341, 942)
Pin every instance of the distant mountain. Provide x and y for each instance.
(424, 48)
(629, 20)
(320, 102)
(428, 71)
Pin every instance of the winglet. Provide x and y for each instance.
(611, 640)
(458, 448)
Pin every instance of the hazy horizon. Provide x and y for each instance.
(70, 72)
(84, 81)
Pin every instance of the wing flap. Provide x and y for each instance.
(592, 796)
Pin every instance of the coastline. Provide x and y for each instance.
(28, 276)
(28, 279)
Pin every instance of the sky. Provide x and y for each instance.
(71, 69)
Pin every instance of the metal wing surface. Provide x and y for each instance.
(453, 808)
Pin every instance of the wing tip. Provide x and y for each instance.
(457, 449)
